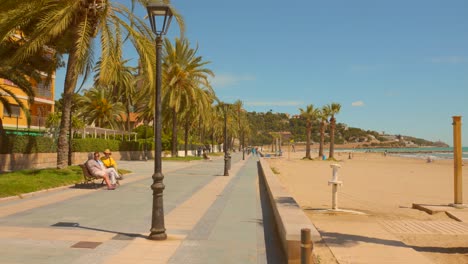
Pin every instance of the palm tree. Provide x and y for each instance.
(98, 109)
(309, 114)
(22, 75)
(184, 73)
(323, 115)
(71, 27)
(238, 108)
(197, 111)
(334, 109)
(123, 83)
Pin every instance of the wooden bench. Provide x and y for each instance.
(88, 178)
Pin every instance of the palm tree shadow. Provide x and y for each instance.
(346, 240)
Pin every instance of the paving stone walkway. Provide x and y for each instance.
(208, 217)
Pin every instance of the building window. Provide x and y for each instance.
(43, 89)
(15, 111)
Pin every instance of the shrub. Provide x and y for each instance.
(26, 144)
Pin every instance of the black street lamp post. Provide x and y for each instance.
(160, 16)
(226, 154)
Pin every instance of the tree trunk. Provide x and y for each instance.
(71, 78)
(309, 129)
(174, 133)
(186, 132)
(322, 139)
(332, 138)
(128, 120)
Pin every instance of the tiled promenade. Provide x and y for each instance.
(209, 218)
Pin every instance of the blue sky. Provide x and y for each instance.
(394, 66)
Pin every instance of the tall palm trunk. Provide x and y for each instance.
(70, 83)
(332, 137)
(309, 130)
(186, 133)
(174, 133)
(128, 119)
(212, 140)
(322, 139)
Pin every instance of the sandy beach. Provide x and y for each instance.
(384, 188)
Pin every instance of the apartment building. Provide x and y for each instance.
(42, 106)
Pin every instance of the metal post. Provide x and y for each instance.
(457, 160)
(335, 196)
(226, 155)
(306, 246)
(158, 231)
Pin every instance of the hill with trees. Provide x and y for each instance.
(264, 123)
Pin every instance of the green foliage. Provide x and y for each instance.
(94, 144)
(99, 144)
(26, 144)
(38, 144)
(144, 131)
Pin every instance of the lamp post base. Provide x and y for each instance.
(158, 235)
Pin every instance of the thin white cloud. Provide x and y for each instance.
(357, 103)
(222, 80)
(274, 103)
(449, 59)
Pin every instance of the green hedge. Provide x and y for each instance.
(26, 144)
(97, 144)
(38, 144)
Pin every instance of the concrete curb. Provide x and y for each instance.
(289, 217)
(31, 194)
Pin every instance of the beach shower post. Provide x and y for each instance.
(457, 160)
(335, 183)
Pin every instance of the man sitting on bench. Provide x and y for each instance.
(97, 170)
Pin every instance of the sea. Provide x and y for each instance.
(422, 152)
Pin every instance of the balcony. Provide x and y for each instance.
(38, 121)
(43, 93)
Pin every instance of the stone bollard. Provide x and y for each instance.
(335, 183)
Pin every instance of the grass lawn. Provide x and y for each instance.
(25, 181)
